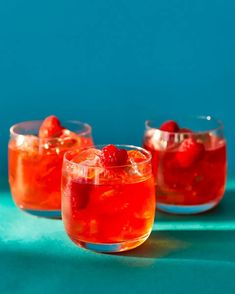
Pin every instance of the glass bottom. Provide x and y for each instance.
(111, 247)
(53, 214)
(186, 209)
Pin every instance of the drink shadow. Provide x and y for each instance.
(158, 245)
(196, 246)
(198, 237)
(222, 217)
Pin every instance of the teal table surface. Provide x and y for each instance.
(193, 254)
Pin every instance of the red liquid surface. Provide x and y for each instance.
(202, 182)
(109, 212)
(35, 171)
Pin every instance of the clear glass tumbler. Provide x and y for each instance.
(189, 164)
(108, 209)
(35, 165)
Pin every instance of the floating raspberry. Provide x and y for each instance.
(190, 152)
(113, 156)
(80, 195)
(50, 128)
(170, 126)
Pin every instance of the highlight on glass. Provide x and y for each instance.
(108, 197)
(189, 163)
(35, 152)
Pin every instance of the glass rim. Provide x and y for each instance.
(220, 125)
(86, 126)
(142, 150)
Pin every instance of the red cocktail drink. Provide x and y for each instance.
(108, 200)
(189, 167)
(35, 163)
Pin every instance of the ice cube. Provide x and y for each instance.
(109, 201)
(136, 156)
(50, 146)
(69, 138)
(88, 165)
(88, 157)
(135, 168)
(27, 142)
(154, 140)
(160, 141)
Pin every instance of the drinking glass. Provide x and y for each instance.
(189, 165)
(35, 165)
(107, 209)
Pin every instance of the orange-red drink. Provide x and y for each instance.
(108, 197)
(36, 151)
(189, 166)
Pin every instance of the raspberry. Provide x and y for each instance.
(113, 156)
(190, 152)
(50, 128)
(170, 126)
(80, 195)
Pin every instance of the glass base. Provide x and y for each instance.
(111, 247)
(186, 209)
(53, 214)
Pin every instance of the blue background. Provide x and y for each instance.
(116, 63)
